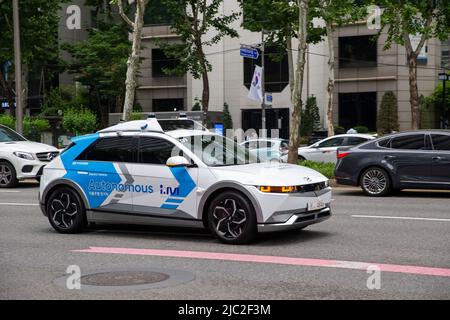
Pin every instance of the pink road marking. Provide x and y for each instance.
(429, 271)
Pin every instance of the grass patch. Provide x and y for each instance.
(327, 169)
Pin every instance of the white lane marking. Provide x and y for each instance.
(17, 204)
(400, 218)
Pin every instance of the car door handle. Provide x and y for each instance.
(438, 158)
(389, 157)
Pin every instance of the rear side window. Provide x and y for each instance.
(384, 143)
(116, 149)
(156, 150)
(441, 142)
(353, 141)
(411, 142)
(335, 142)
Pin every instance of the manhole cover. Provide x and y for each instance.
(131, 279)
(123, 278)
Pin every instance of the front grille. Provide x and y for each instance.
(312, 187)
(47, 156)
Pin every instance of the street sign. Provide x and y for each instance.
(444, 77)
(249, 52)
(269, 99)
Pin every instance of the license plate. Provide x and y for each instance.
(315, 205)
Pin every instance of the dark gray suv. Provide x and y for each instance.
(408, 160)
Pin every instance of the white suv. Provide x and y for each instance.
(21, 159)
(134, 173)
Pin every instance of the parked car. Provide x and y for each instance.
(409, 160)
(325, 150)
(21, 159)
(135, 173)
(316, 136)
(268, 149)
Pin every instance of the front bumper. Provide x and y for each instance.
(297, 220)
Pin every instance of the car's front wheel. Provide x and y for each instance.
(8, 178)
(231, 218)
(375, 182)
(65, 211)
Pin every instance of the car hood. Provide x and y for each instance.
(272, 174)
(26, 146)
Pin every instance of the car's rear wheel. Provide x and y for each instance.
(231, 218)
(65, 211)
(8, 178)
(375, 182)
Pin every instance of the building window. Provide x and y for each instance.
(164, 105)
(156, 14)
(161, 64)
(445, 63)
(356, 52)
(276, 73)
(358, 109)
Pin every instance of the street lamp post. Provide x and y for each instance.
(263, 85)
(17, 67)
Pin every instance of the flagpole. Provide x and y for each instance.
(263, 86)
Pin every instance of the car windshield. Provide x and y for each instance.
(7, 135)
(215, 150)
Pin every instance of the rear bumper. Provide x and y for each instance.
(346, 181)
(298, 220)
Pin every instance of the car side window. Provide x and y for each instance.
(155, 150)
(353, 141)
(111, 149)
(441, 142)
(335, 142)
(409, 142)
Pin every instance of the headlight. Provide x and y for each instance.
(270, 189)
(24, 155)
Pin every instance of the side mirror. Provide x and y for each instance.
(177, 161)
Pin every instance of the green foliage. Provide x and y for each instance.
(339, 129)
(192, 20)
(227, 120)
(387, 120)
(427, 114)
(79, 121)
(361, 129)
(310, 120)
(8, 121)
(136, 116)
(197, 105)
(62, 98)
(435, 99)
(327, 169)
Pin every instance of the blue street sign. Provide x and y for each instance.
(248, 52)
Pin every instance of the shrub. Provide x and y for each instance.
(310, 119)
(7, 121)
(327, 169)
(361, 129)
(79, 121)
(227, 120)
(387, 120)
(197, 105)
(136, 116)
(338, 129)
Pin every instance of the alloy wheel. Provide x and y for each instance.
(229, 219)
(375, 181)
(63, 210)
(5, 175)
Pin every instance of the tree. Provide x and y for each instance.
(227, 120)
(39, 44)
(134, 57)
(425, 18)
(310, 120)
(100, 64)
(387, 121)
(192, 20)
(334, 13)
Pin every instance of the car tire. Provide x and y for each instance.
(232, 218)
(375, 182)
(8, 176)
(66, 211)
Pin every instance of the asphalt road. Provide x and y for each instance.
(413, 230)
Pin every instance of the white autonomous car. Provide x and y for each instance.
(134, 173)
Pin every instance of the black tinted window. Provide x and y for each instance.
(155, 150)
(441, 141)
(412, 142)
(384, 143)
(335, 142)
(353, 141)
(117, 149)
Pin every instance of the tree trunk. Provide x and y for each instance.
(205, 93)
(294, 139)
(414, 92)
(290, 62)
(133, 61)
(331, 79)
(24, 89)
